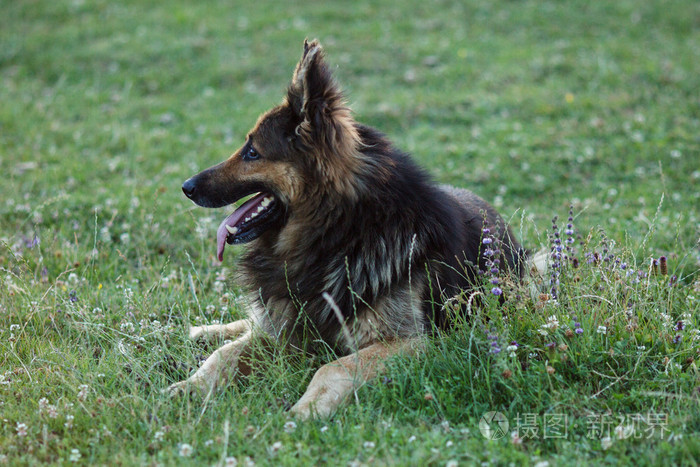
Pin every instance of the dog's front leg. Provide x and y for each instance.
(227, 362)
(335, 381)
(221, 331)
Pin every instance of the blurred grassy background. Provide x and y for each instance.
(591, 103)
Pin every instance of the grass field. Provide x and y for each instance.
(107, 107)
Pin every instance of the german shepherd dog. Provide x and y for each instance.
(350, 242)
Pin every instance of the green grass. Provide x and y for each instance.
(106, 107)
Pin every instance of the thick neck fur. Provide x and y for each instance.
(352, 240)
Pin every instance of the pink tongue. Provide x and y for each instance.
(249, 206)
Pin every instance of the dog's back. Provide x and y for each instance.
(459, 263)
(475, 212)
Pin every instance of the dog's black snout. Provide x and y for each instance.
(188, 188)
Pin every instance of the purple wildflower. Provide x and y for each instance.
(654, 269)
(556, 258)
(495, 348)
(491, 254)
(570, 232)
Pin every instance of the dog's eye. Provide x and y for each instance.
(251, 154)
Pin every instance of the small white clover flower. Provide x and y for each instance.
(515, 438)
(83, 393)
(43, 404)
(602, 330)
(21, 429)
(275, 447)
(551, 325)
(185, 450)
(74, 455)
(368, 445)
(290, 427)
(230, 462)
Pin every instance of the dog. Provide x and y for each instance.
(350, 243)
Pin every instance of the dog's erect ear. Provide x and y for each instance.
(316, 98)
(312, 83)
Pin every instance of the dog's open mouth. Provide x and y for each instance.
(248, 222)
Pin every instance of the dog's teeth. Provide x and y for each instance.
(254, 214)
(266, 201)
(232, 230)
(260, 208)
(246, 219)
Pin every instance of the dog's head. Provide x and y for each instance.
(301, 150)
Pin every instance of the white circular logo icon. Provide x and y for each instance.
(493, 425)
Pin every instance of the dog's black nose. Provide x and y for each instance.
(188, 188)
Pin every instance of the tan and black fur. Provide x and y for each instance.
(359, 251)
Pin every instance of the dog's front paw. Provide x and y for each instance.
(308, 409)
(177, 389)
(196, 332)
(302, 411)
(189, 386)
